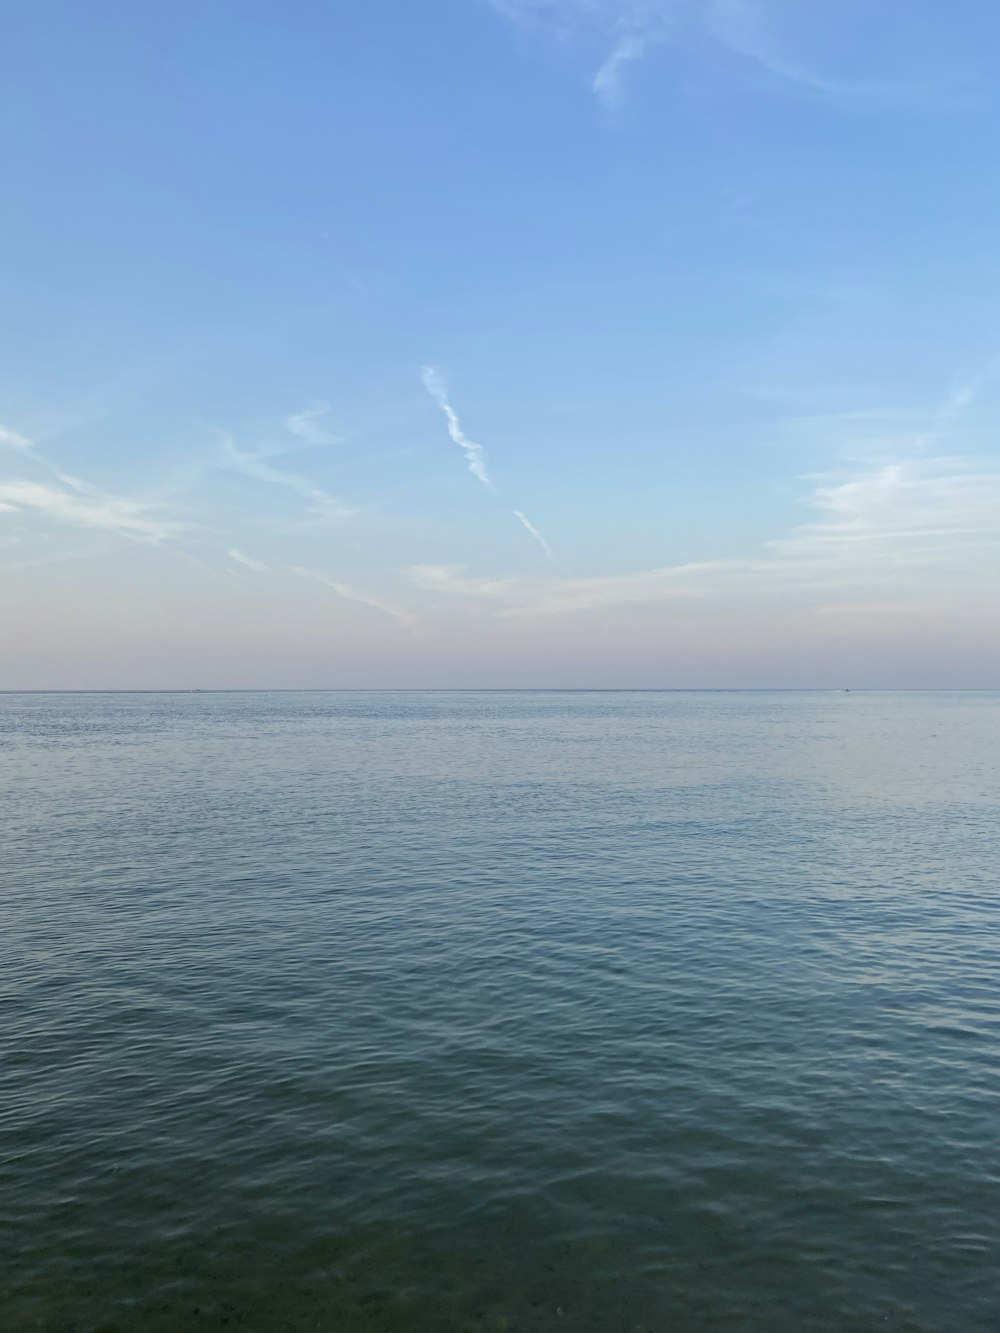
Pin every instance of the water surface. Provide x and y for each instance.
(515, 1011)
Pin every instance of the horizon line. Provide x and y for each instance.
(517, 689)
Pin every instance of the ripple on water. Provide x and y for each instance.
(500, 1012)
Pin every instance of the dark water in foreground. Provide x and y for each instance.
(661, 1012)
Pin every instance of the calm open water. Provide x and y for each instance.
(500, 1011)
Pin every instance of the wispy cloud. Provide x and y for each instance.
(352, 594)
(322, 504)
(304, 425)
(78, 502)
(555, 596)
(125, 517)
(959, 399)
(257, 566)
(13, 440)
(629, 30)
(436, 386)
(607, 82)
(526, 521)
(740, 26)
(900, 520)
(626, 29)
(345, 590)
(911, 529)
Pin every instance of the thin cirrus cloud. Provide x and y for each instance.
(627, 28)
(323, 506)
(910, 529)
(305, 425)
(901, 520)
(634, 29)
(77, 502)
(342, 589)
(956, 402)
(526, 597)
(746, 29)
(917, 524)
(127, 518)
(436, 386)
(740, 26)
(14, 440)
(247, 561)
(352, 594)
(608, 82)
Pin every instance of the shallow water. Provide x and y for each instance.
(512, 1011)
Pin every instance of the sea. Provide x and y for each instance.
(470, 1012)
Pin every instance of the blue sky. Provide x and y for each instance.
(500, 342)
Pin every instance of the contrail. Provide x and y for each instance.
(523, 518)
(435, 385)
